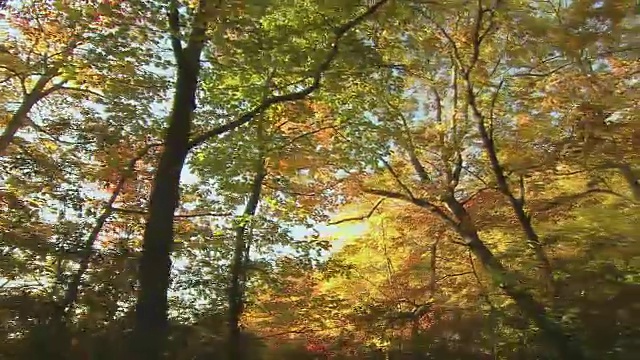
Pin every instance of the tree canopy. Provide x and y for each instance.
(304, 179)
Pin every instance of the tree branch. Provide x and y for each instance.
(454, 275)
(397, 179)
(544, 74)
(411, 149)
(71, 293)
(562, 200)
(311, 132)
(358, 218)
(423, 203)
(470, 197)
(294, 96)
(183, 216)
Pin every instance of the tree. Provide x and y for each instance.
(155, 264)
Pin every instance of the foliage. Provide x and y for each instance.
(490, 148)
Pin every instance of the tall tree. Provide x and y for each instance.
(155, 263)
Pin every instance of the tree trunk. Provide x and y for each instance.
(151, 327)
(238, 269)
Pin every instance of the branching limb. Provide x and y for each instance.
(359, 218)
(318, 74)
(183, 216)
(397, 179)
(423, 203)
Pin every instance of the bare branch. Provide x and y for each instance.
(397, 178)
(87, 91)
(475, 175)
(56, 138)
(318, 192)
(544, 74)
(183, 216)
(454, 275)
(474, 195)
(494, 100)
(444, 33)
(71, 293)
(5, 283)
(359, 218)
(423, 203)
(522, 189)
(312, 132)
(411, 149)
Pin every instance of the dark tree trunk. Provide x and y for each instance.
(151, 327)
(238, 270)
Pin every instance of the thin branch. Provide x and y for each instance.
(71, 294)
(318, 192)
(550, 72)
(87, 91)
(5, 283)
(417, 165)
(483, 291)
(454, 275)
(494, 100)
(522, 189)
(397, 179)
(562, 200)
(474, 195)
(423, 203)
(444, 33)
(312, 132)
(183, 216)
(55, 138)
(359, 218)
(476, 175)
